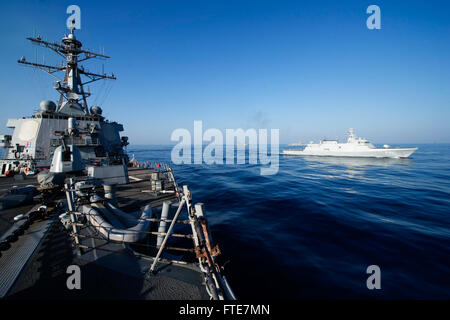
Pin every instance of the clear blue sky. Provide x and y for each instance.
(310, 68)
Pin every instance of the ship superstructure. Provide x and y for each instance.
(34, 139)
(131, 229)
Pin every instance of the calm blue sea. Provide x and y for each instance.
(311, 230)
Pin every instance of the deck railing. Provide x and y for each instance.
(201, 248)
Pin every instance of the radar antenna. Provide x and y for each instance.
(71, 87)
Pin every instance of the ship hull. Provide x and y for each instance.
(396, 153)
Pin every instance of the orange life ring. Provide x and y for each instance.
(26, 170)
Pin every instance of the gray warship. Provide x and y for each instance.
(35, 138)
(80, 220)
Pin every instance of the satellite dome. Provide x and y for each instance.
(47, 106)
(96, 110)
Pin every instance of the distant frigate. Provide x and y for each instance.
(354, 147)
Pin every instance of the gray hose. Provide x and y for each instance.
(104, 220)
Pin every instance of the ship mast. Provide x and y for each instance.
(71, 88)
(351, 135)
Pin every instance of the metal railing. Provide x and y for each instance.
(202, 246)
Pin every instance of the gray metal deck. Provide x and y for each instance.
(35, 266)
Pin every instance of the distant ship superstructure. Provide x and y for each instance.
(354, 147)
(35, 138)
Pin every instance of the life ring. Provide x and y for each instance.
(26, 170)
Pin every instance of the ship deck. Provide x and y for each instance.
(35, 264)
